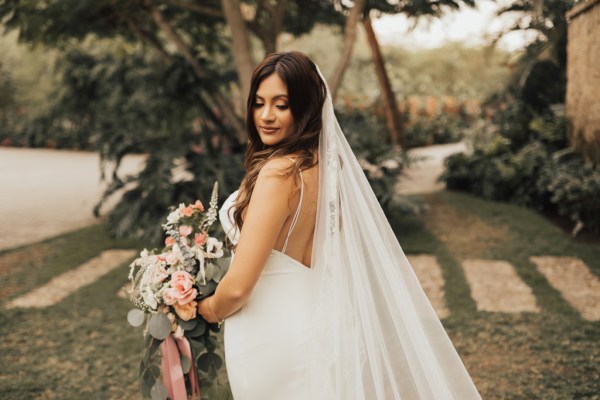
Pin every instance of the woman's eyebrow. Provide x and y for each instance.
(274, 98)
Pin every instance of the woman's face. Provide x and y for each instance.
(272, 115)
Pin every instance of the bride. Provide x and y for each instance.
(319, 301)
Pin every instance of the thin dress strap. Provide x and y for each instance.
(295, 219)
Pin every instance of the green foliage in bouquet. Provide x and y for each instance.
(166, 287)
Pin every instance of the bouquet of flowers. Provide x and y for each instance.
(166, 287)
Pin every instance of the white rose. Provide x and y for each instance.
(149, 298)
(173, 217)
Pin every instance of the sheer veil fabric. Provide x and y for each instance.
(375, 334)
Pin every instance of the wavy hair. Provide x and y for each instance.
(306, 96)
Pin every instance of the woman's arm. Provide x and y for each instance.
(266, 213)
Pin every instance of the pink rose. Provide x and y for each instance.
(182, 290)
(187, 211)
(198, 206)
(169, 241)
(185, 230)
(186, 311)
(200, 238)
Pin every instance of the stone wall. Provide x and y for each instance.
(583, 78)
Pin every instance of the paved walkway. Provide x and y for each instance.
(46, 193)
(422, 177)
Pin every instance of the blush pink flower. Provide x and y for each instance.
(186, 311)
(185, 230)
(198, 206)
(182, 290)
(200, 238)
(187, 211)
(169, 241)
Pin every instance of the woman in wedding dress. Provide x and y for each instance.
(319, 301)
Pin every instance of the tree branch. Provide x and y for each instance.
(226, 107)
(148, 38)
(197, 8)
(349, 39)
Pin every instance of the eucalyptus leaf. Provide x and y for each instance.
(146, 387)
(203, 362)
(159, 392)
(218, 361)
(188, 325)
(208, 289)
(198, 330)
(197, 347)
(149, 378)
(142, 367)
(159, 326)
(223, 262)
(186, 364)
(154, 345)
(136, 317)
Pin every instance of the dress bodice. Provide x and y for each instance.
(226, 218)
(266, 341)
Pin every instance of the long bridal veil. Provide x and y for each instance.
(376, 335)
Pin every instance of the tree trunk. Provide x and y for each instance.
(222, 102)
(394, 120)
(349, 39)
(242, 52)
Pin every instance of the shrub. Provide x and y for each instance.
(541, 173)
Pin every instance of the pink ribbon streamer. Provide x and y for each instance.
(172, 372)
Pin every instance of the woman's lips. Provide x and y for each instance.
(266, 129)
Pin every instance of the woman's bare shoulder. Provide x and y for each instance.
(277, 166)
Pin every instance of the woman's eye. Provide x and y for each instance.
(257, 105)
(282, 107)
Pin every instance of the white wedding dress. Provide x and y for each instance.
(357, 325)
(266, 353)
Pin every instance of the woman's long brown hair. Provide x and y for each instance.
(306, 95)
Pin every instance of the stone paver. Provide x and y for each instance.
(45, 193)
(430, 275)
(575, 282)
(66, 283)
(495, 286)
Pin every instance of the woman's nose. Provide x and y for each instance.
(267, 113)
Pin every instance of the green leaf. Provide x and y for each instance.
(142, 366)
(159, 392)
(136, 317)
(159, 326)
(186, 364)
(150, 377)
(197, 347)
(187, 325)
(218, 361)
(198, 330)
(145, 388)
(203, 362)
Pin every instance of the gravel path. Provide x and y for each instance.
(495, 286)
(49, 192)
(575, 282)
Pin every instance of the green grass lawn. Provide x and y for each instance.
(83, 347)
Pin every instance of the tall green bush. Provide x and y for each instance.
(544, 173)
